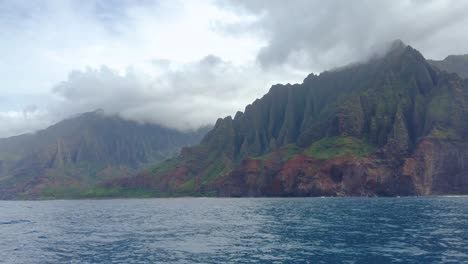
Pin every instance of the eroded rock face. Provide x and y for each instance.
(436, 167)
(439, 167)
(306, 176)
(413, 115)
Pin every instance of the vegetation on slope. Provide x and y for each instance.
(386, 106)
(333, 147)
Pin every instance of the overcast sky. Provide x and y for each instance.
(182, 64)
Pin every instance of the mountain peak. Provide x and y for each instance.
(400, 53)
(99, 111)
(397, 48)
(398, 44)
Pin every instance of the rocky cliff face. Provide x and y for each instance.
(395, 125)
(74, 155)
(392, 126)
(438, 167)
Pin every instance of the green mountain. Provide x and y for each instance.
(72, 156)
(454, 64)
(394, 125)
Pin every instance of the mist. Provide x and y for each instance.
(183, 65)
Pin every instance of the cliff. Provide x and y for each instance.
(395, 125)
(72, 156)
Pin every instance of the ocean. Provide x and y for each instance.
(236, 230)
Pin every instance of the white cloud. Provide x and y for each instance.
(20, 122)
(318, 35)
(156, 54)
(187, 97)
(45, 40)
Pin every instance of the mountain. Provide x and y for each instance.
(70, 157)
(454, 63)
(394, 125)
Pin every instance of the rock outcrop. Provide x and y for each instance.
(395, 125)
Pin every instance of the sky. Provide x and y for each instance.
(183, 64)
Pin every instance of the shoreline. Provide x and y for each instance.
(244, 197)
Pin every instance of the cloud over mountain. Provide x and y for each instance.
(183, 64)
(185, 98)
(318, 35)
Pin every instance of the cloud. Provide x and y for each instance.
(183, 64)
(190, 96)
(20, 122)
(181, 96)
(56, 37)
(47, 42)
(318, 35)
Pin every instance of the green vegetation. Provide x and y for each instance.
(188, 186)
(444, 134)
(64, 192)
(289, 151)
(333, 147)
(215, 170)
(165, 166)
(81, 192)
(286, 153)
(61, 191)
(439, 108)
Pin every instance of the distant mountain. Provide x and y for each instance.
(454, 64)
(395, 125)
(70, 157)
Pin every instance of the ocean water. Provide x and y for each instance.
(217, 230)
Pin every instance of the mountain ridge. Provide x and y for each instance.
(453, 64)
(82, 151)
(394, 125)
(399, 104)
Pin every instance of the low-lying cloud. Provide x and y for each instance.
(156, 58)
(19, 122)
(183, 97)
(317, 35)
(188, 97)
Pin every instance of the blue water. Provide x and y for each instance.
(210, 230)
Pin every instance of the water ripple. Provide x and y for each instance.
(199, 230)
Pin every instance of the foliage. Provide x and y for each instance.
(332, 147)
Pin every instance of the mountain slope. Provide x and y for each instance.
(454, 64)
(75, 154)
(392, 126)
